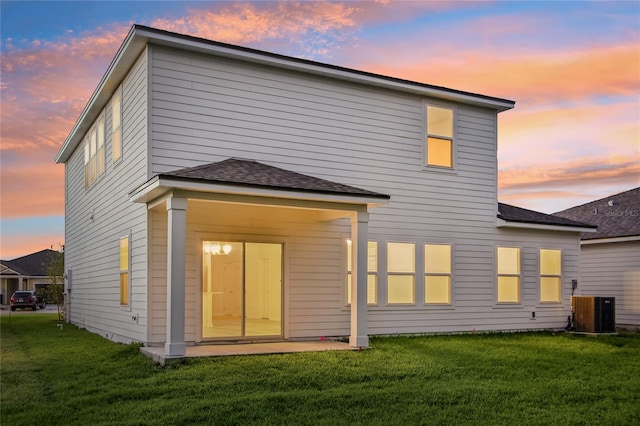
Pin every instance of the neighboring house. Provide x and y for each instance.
(610, 258)
(218, 193)
(24, 273)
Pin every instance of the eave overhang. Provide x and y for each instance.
(501, 223)
(140, 36)
(610, 240)
(160, 187)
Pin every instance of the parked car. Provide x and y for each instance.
(26, 299)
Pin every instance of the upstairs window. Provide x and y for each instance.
(93, 149)
(94, 152)
(401, 269)
(100, 153)
(508, 267)
(550, 275)
(87, 163)
(372, 272)
(439, 149)
(437, 273)
(116, 125)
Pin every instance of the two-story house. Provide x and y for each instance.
(217, 193)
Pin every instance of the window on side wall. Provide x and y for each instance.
(372, 272)
(550, 275)
(100, 158)
(401, 268)
(439, 138)
(116, 125)
(437, 273)
(87, 163)
(94, 159)
(124, 270)
(508, 268)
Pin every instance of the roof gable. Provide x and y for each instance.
(236, 171)
(616, 215)
(140, 36)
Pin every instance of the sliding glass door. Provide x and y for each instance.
(241, 290)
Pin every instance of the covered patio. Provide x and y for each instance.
(240, 182)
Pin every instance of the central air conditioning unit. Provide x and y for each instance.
(594, 314)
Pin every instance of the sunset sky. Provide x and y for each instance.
(573, 69)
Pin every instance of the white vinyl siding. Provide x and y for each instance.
(95, 220)
(613, 270)
(206, 110)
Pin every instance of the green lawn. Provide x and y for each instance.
(69, 376)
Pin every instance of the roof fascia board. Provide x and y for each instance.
(501, 223)
(168, 39)
(610, 240)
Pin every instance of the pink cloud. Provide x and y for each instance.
(525, 76)
(313, 26)
(32, 189)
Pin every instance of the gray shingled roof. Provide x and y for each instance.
(235, 171)
(34, 264)
(520, 215)
(616, 216)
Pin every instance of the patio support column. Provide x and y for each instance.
(20, 283)
(359, 236)
(176, 238)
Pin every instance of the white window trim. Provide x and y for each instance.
(118, 160)
(450, 274)
(90, 180)
(496, 275)
(541, 275)
(454, 138)
(414, 273)
(347, 273)
(100, 173)
(126, 307)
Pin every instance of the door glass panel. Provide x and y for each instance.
(241, 289)
(263, 289)
(222, 289)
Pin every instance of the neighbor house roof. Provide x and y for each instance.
(32, 265)
(140, 36)
(249, 177)
(616, 215)
(518, 215)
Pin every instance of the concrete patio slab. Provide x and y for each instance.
(157, 353)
